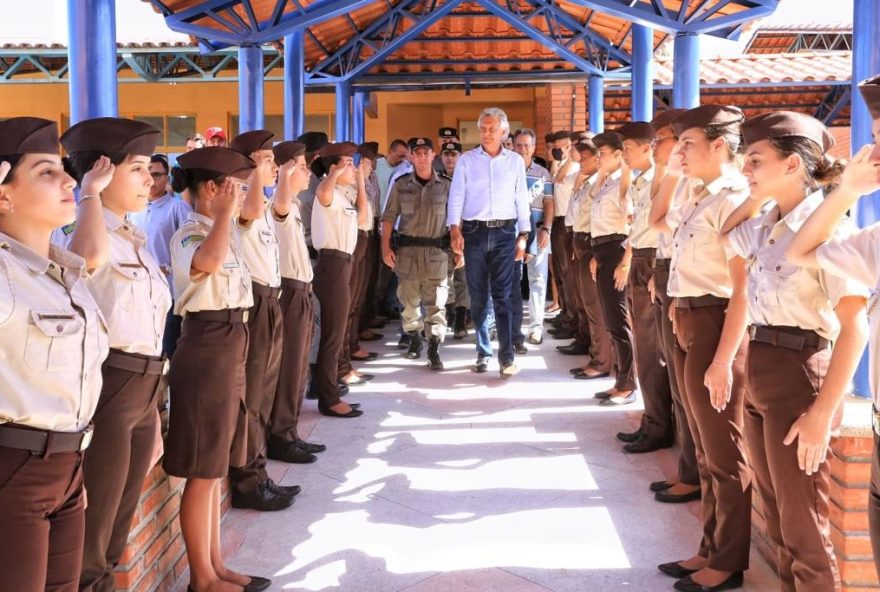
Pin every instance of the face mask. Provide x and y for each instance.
(557, 153)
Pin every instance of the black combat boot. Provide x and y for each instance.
(459, 324)
(415, 345)
(434, 362)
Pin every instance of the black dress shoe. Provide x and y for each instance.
(481, 366)
(367, 377)
(575, 349)
(257, 584)
(562, 334)
(678, 498)
(674, 569)
(289, 490)
(261, 499)
(583, 376)
(629, 436)
(372, 337)
(343, 390)
(602, 395)
(687, 584)
(355, 412)
(660, 486)
(309, 446)
(645, 444)
(578, 370)
(367, 358)
(520, 349)
(288, 452)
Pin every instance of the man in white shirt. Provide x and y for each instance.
(489, 220)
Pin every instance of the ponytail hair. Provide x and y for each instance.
(820, 169)
(183, 179)
(730, 134)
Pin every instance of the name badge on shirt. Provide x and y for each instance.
(230, 265)
(193, 238)
(68, 229)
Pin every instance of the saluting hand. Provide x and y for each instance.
(719, 380)
(861, 176)
(226, 199)
(98, 177)
(813, 433)
(365, 168)
(5, 167)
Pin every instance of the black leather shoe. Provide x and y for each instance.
(629, 436)
(367, 377)
(289, 490)
(343, 390)
(309, 446)
(660, 486)
(602, 395)
(645, 444)
(261, 499)
(687, 584)
(355, 412)
(367, 358)
(681, 498)
(561, 334)
(575, 349)
(584, 376)
(674, 569)
(288, 452)
(481, 366)
(578, 370)
(520, 349)
(257, 584)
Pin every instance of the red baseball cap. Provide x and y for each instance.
(215, 131)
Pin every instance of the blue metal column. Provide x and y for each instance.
(294, 85)
(91, 55)
(642, 73)
(343, 113)
(250, 89)
(866, 63)
(596, 99)
(358, 117)
(686, 71)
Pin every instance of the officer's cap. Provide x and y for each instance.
(447, 132)
(452, 147)
(420, 143)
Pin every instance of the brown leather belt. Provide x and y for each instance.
(788, 337)
(265, 291)
(292, 284)
(662, 264)
(44, 442)
(507, 223)
(647, 253)
(220, 316)
(608, 238)
(700, 301)
(136, 363)
(582, 236)
(336, 254)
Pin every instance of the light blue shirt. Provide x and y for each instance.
(486, 188)
(160, 220)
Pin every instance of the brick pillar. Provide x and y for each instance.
(563, 106)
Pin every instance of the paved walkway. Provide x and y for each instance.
(461, 482)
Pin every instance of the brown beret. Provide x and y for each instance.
(708, 115)
(665, 118)
(785, 124)
(586, 146)
(252, 141)
(636, 130)
(28, 135)
(216, 159)
(369, 150)
(338, 149)
(314, 141)
(611, 139)
(580, 136)
(285, 151)
(870, 90)
(560, 135)
(111, 134)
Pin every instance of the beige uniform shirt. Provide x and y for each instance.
(641, 235)
(857, 256)
(699, 260)
(607, 214)
(335, 226)
(563, 190)
(260, 247)
(295, 262)
(664, 239)
(783, 294)
(54, 339)
(131, 290)
(584, 203)
(230, 287)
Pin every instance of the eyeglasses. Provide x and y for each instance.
(658, 139)
(158, 175)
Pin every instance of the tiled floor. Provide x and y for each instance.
(461, 482)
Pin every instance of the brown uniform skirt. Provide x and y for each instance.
(207, 381)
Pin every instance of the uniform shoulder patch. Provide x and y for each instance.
(69, 228)
(191, 238)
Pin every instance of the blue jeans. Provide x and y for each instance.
(488, 255)
(516, 307)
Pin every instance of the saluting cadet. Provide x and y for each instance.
(855, 256)
(54, 342)
(113, 155)
(708, 282)
(796, 380)
(250, 483)
(373, 258)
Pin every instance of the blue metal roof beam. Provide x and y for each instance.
(572, 24)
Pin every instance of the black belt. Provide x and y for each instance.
(365, 233)
(44, 442)
(136, 363)
(788, 337)
(646, 253)
(266, 291)
(292, 284)
(492, 223)
(608, 238)
(220, 316)
(700, 301)
(404, 240)
(335, 253)
(582, 236)
(559, 218)
(313, 254)
(662, 264)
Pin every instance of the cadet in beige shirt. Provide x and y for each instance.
(564, 170)
(54, 341)
(134, 297)
(207, 377)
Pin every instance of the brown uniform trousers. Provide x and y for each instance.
(657, 423)
(874, 500)
(725, 477)
(601, 350)
(372, 258)
(117, 461)
(332, 276)
(560, 245)
(688, 471)
(608, 255)
(357, 291)
(265, 327)
(42, 520)
(783, 383)
(297, 309)
(581, 325)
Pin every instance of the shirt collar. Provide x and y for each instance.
(505, 153)
(593, 178)
(201, 219)
(112, 221)
(647, 176)
(614, 176)
(158, 203)
(36, 262)
(728, 180)
(795, 218)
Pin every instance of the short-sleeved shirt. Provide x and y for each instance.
(641, 235)
(54, 339)
(260, 246)
(607, 214)
(583, 204)
(335, 226)
(783, 294)
(664, 239)
(373, 196)
(228, 287)
(699, 264)
(306, 202)
(295, 261)
(421, 208)
(563, 190)
(160, 220)
(131, 290)
(540, 183)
